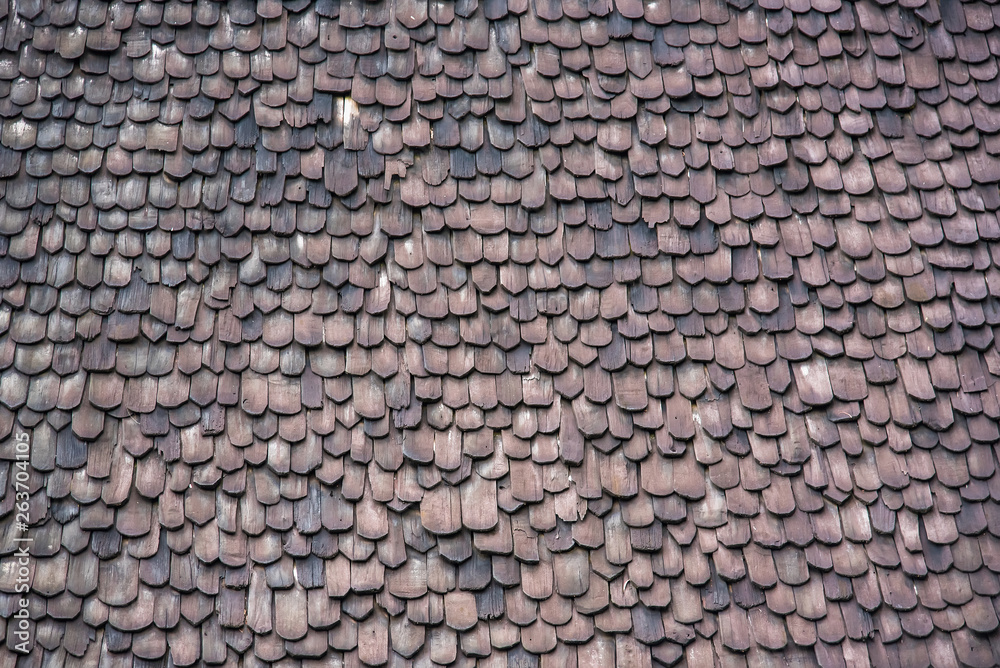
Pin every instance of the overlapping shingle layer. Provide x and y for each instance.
(512, 333)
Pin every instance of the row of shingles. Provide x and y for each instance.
(106, 400)
(463, 504)
(457, 612)
(27, 355)
(341, 323)
(647, 627)
(810, 604)
(131, 523)
(887, 465)
(805, 601)
(62, 449)
(824, 381)
(898, 323)
(189, 647)
(97, 91)
(957, 438)
(618, 615)
(164, 135)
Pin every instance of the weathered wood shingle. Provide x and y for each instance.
(514, 332)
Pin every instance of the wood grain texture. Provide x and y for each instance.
(503, 333)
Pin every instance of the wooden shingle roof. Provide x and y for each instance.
(510, 333)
